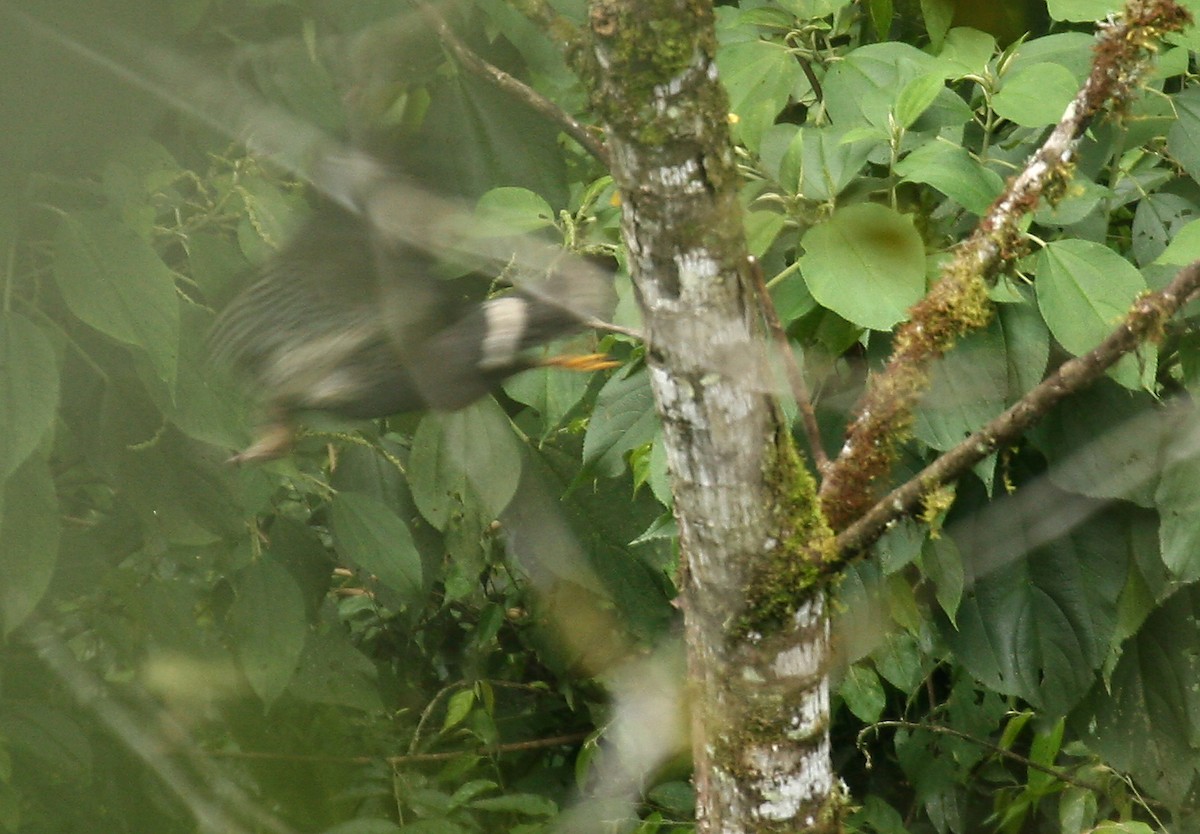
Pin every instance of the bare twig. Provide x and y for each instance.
(795, 375)
(408, 758)
(958, 303)
(517, 89)
(1060, 775)
(1146, 318)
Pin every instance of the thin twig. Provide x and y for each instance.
(794, 374)
(517, 89)
(1060, 775)
(408, 758)
(1144, 320)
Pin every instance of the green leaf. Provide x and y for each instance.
(1084, 290)
(530, 804)
(1026, 347)
(1159, 221)
(898, 661)
(458, 708)
(866, 263)
(267, 627)
(863, 693)
(881, 17)
(762, 227)
(810, 9)
(916, 96)
(114, 281)
(333, 671)
(1036, 95)
(511, 211)
(623, 419)
(876, 815)
(1044, 751)
(1184, 248)
(1079, 200)
(469, 456)
(272, 216)
(968, 386)
(370, 534)
(820, 163)
(552, 392)
(1177, 499)
(954, 172)
(1183, 137)
(1123, 827)
(1105, 442)
(943, 564)
(937, 15)
(759, 76)
(30, 529)
(1083, 10)
(861, 88)
(1076, 809)
(1144, 722)
(1070, 50)
(965, 51)
(1038, 620)
(29, 387)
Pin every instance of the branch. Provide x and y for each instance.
(958, 303)
(1058, 774)
(795, 375)
(517, 89)
(408, 758)
(1144, 321)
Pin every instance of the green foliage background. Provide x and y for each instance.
(438, 586)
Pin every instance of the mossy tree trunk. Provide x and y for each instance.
(755, 612)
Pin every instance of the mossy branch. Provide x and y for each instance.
(1144, 321)
(958, 302)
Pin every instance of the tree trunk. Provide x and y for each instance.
(749, 531)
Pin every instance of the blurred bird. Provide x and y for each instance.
(356, 323)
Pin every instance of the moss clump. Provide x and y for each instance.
(793, 568)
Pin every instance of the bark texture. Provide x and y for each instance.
(745, 505)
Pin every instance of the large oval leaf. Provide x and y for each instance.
(1039, 619)
(468, 456)
(1083, 290)
(29, 532)
(28, 389)
(267, 627)
(1144, 720)
(954, 172)
(1036, 95)
(623, 419)
(369, 533)
(115, 282)
(866, 263)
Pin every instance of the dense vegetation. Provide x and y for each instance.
(414, 621)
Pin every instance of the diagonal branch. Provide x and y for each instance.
(795, 376)
(513, 87)
(958, 303)
(1144, 321)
